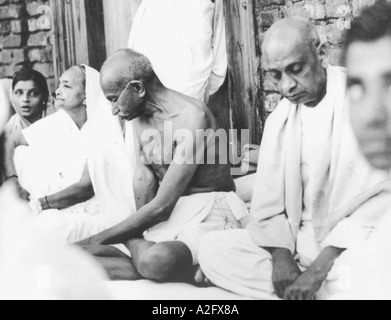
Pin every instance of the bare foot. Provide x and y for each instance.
(201, 280)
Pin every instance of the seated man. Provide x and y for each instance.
(313, 187)
(179, 196)
(368, 61)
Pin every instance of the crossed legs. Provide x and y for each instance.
(163, 262)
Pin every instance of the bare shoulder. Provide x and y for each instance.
(198, 116)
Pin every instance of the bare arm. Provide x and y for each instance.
(285, 270)
(77, 193)
(11, 143)
(307, 286)
(173, 186)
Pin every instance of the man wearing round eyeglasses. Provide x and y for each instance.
(183, 188)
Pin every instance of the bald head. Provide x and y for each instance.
(296, 60)
(126, 65)
(290, 32)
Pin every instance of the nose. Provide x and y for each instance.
(58, 92)
(114, 110)
(376, 103)
(287, 84)
(26, 97)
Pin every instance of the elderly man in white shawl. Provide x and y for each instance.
(314, 190)
(48, 160)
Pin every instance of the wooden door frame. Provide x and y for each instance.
(78, 34)
(245, 85)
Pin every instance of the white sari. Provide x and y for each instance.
(53, 161)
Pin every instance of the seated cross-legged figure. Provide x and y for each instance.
(181, 189)
(315, 195)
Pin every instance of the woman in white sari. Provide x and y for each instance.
(28, 92)
(51, 159)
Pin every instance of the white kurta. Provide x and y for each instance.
(185, 41)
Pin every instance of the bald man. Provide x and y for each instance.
(182, 188)
(313, 187)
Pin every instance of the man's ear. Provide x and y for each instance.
(323, 54)
(85, 101)
(139, 87)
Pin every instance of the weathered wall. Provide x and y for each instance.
(25, 37)
(332, 18)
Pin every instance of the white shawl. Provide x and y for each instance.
(345, 179)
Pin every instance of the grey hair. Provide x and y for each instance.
(82, 72)
(132, 65)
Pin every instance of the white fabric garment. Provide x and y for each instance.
(347, 199)
(316, 134)
(196, 215)
(16, 124)
(54, 160)
(185, 41)
(363, 272)
(35, 266)
(344, 179)
(111, 165)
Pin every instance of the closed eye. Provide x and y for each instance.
(296, 68)
(275, 75)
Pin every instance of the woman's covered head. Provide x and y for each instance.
(71, 93)
(29, 94)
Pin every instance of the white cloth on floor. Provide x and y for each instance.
(54, 160)
(185, 41)
(35, 266)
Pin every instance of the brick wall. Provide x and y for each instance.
(332, 18)
(25, 38)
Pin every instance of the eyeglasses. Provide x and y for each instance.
(122, 94)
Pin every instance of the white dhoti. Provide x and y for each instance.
(232, 261)
(196, 215)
